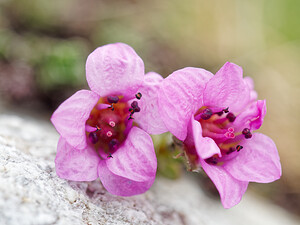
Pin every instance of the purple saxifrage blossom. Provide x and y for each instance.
(214, 116)
(104, 132)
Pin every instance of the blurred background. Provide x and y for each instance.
(44, 45)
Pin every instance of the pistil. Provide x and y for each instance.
(107, 126)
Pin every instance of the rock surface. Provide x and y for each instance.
(31, 192)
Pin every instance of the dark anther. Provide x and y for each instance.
(138, 95)
(226, 110)
(98, 128)
(109, 155)
(206, 114)
(211, 160)
(137, 109)
(223, 111)
(93, 137)
(249, 135)
(246, 132)
(239, 148)
(231, 150)
(113, 144)
(134, 104)
(220, 113)
(112, 99)
(231, 117)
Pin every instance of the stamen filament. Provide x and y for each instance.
(89, 128)
(102, 106)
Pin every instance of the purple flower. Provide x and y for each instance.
(104, 132)
(215, 116)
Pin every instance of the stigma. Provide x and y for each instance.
(108, 125)
(220, 127)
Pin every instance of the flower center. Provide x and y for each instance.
(218, 126)
(110, 122)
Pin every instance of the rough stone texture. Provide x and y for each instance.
(31, 193)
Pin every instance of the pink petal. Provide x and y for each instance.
(205, 146)
(115, 69)
(74, 164)
(153, 78)
(135, 159)
(230, 189)
(180, 96)
(149, 118)
(227, 89)
(262, 110)
(70, 117)
(122, 186)
(252, 117)
(132, 169)
(250, 83)
(258, 161)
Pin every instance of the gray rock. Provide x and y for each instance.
(31, 192)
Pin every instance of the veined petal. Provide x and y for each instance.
(121, 186)
(262, 110)
(227, 89)
(74, 164)
(230, 189)
(205, 146)
(250, 83)
(149, 118)
(180, 96)
(258, 161)
(135, 159)
(252, 117)
(115, 69)
(70, 117)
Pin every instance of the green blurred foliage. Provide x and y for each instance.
(283, 17)
(61, 64)
(168, 164)
(5, 37)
